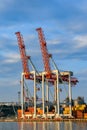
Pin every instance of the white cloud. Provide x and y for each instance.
(53, 42)
(10, 61)
(81, 41)
(4, 81)
(11, 57)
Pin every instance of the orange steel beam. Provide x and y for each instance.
(44, 51)
(24, 58)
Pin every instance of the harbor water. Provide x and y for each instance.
(67, 125)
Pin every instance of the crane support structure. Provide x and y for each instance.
(46, 78)
(24, 57)
(44, 50)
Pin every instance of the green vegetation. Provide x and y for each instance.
(8, 110)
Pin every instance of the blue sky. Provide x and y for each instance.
(64, 23)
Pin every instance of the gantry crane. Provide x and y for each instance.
(46, 60)
(27, 74)
(48, 75)
(55, 75)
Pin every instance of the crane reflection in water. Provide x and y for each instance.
(45, 125)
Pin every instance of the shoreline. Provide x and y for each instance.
(40, 120)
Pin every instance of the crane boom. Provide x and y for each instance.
(46, 59)
(44, 50)
(24, 58)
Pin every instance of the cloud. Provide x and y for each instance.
(81, 41)
(53, 42)
(13, 83)
(10, 57)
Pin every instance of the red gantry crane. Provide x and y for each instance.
(26, 72)
(52, 76)
(46, 59)
(23, 55)
(58, 76)
(24, 58)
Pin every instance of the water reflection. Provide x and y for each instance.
(45, 126)
(57, 126)
(67, 125)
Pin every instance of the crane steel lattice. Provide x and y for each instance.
(24, 58)
(44, 50)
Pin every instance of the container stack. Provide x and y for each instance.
(39, 111)
(19, 112)
(80, 107)
(85, 115)
(67, 110)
